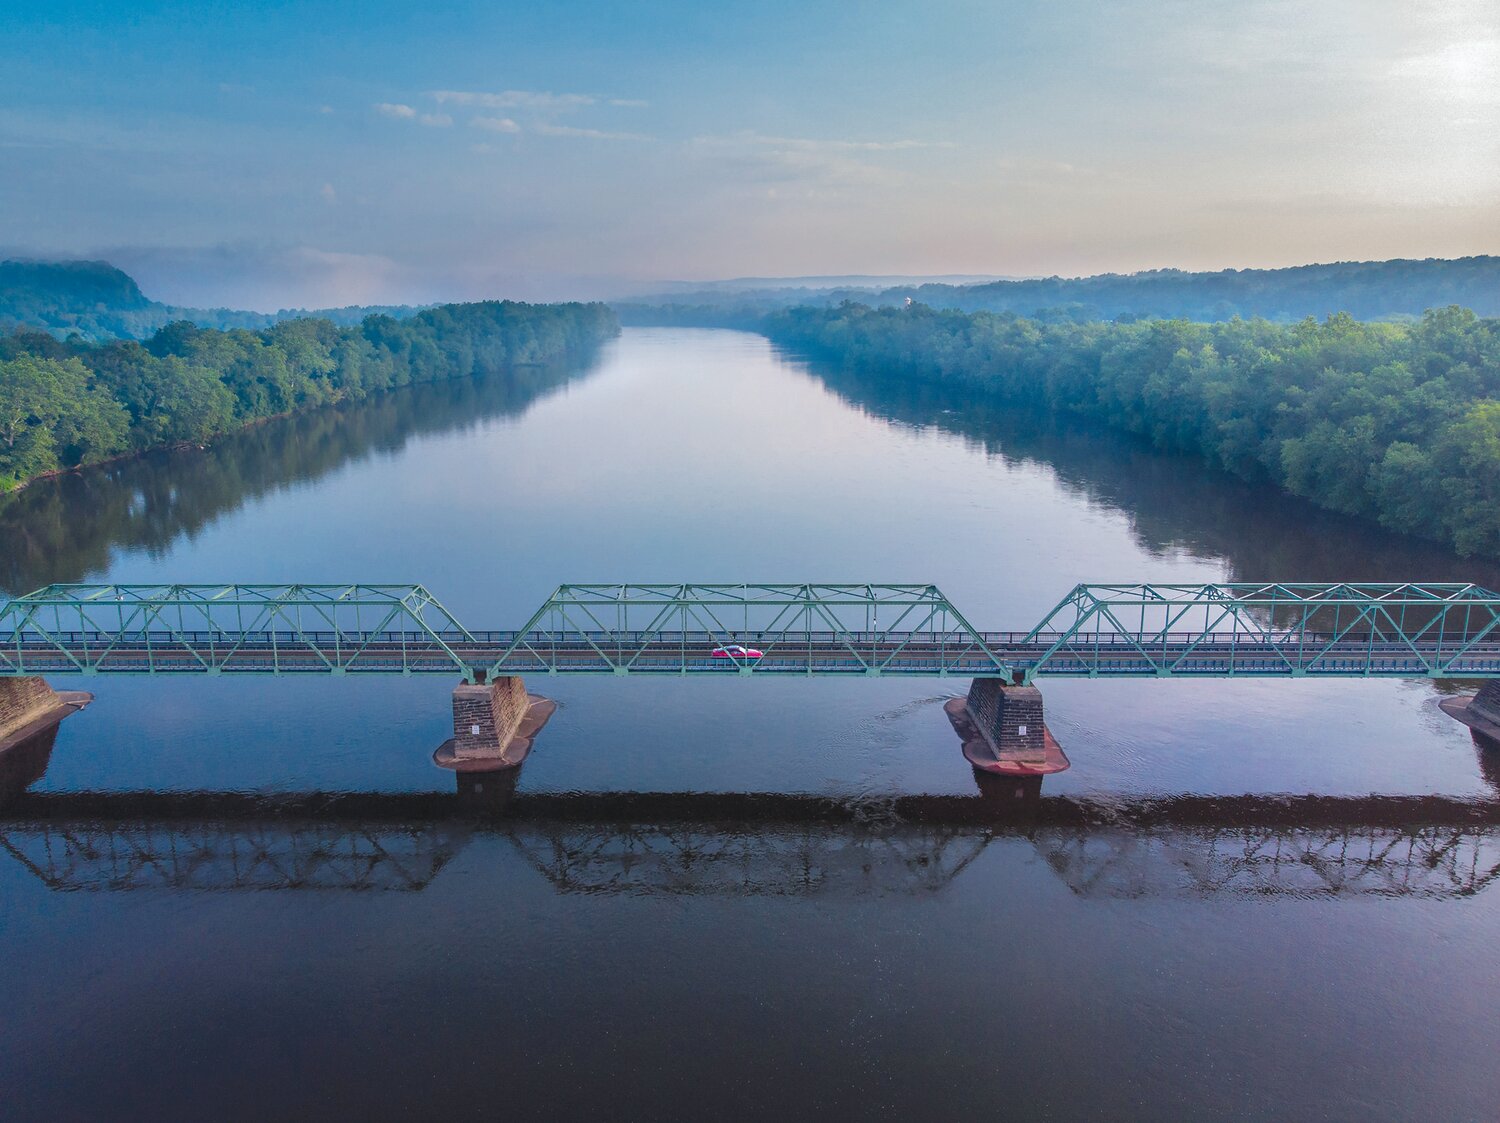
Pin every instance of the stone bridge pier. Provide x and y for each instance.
(30, 712)
(1480, 712)
(1004, 730)
(494, 725)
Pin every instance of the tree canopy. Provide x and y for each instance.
(64, 404)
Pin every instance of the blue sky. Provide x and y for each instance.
(281, 154)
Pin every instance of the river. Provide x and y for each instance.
(1164, 937)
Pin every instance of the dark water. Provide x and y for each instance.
(1245, 900)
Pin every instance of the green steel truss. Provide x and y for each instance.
(1402, 629)
(150, 629)
(1217, 630)
(809, 629)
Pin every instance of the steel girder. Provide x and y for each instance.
(1241, 628)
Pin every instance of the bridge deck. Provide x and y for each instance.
(1047, 654)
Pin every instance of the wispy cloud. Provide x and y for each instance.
(591, 134)
(398, 112)
(495, 124)
(810, 144)
(511, 99)
(814, 164)
(629, 102)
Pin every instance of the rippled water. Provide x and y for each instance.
(189, 934)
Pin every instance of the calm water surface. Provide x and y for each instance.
(1117, 952)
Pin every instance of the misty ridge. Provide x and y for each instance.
(97, 301)
(1399, 289)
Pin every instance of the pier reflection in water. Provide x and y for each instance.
(755, 845)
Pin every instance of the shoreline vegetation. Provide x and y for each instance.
(71, 404)
(64, 529)
(1398, 423)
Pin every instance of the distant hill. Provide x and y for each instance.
(95, 300)
(828, 283)
(1369, 290)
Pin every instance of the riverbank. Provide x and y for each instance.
(66, 405)
(1396, 423)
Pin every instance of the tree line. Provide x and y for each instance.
(68, 403)
(1367, 290)
(1395, 422)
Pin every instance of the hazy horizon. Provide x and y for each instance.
(309, 156)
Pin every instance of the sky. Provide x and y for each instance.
(276, 154)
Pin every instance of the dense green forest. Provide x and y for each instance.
(64, 404)
(94, 300)
(1368, 290)
(1396, 422)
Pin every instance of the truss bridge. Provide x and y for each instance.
(1278, 630)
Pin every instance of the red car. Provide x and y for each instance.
(735, 651)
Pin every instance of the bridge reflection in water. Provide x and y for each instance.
(763, 845)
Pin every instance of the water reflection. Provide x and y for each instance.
(1173, 503)
(736, 845)
(95, 855)
(68, 528)
(64, 529)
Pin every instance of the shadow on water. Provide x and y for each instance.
(1173, 502)
(64, 529)
(753, 844)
